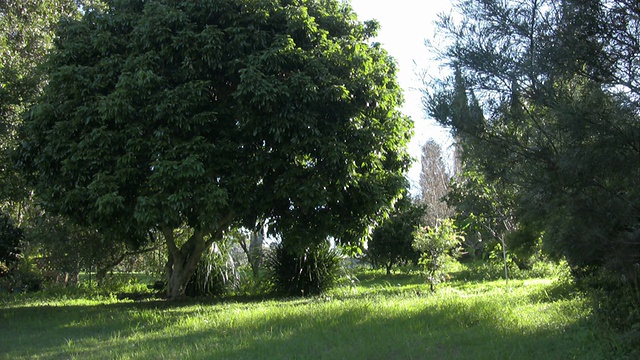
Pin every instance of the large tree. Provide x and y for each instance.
(557, 81)
(201, 115)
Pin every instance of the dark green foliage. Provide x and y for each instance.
(208, 114)
(558, 85)
(391, 242)
(10, 241)
(524, 245)
(303, 272)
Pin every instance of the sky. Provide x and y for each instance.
(404, 26)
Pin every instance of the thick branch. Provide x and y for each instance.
(223, 225)
(103, 271)
(174, 252)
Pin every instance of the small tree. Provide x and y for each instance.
(391, 242)
(438, 246)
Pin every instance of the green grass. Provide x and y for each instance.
(377, 317)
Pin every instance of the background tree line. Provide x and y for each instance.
(543, 103)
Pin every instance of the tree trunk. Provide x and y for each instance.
(255, 248)
(182, 262)
(504, 259)
(179, 277)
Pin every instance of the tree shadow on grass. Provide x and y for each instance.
(442, 332)
(300, 329)
(49, 331)
(558, 290)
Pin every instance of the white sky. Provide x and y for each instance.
(404, 25)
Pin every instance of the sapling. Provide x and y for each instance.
(438, 246)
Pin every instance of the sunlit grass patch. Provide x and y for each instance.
(378, 317)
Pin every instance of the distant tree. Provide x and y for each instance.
(166, 115)
(255, 250)
(27, 30)
(252, 242)
(434, 183)
(60, 246)
(391, 242)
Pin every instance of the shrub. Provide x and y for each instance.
(309, 271)
(438, 246)
(20, 277)
(10, 238)
(215, 274)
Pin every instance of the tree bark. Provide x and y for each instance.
(183, 260)
(255, 248)
(388, 266)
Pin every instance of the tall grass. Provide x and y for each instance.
(377, 317)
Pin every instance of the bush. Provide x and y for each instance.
(616, 299)
(215, 274)
(524, 246)
(20, 277)
(10, 238)
(310, 271)
(438, 246)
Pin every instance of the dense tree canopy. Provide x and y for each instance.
(171, 114)
(546, 101)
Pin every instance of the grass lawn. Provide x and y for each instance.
(379, 317)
